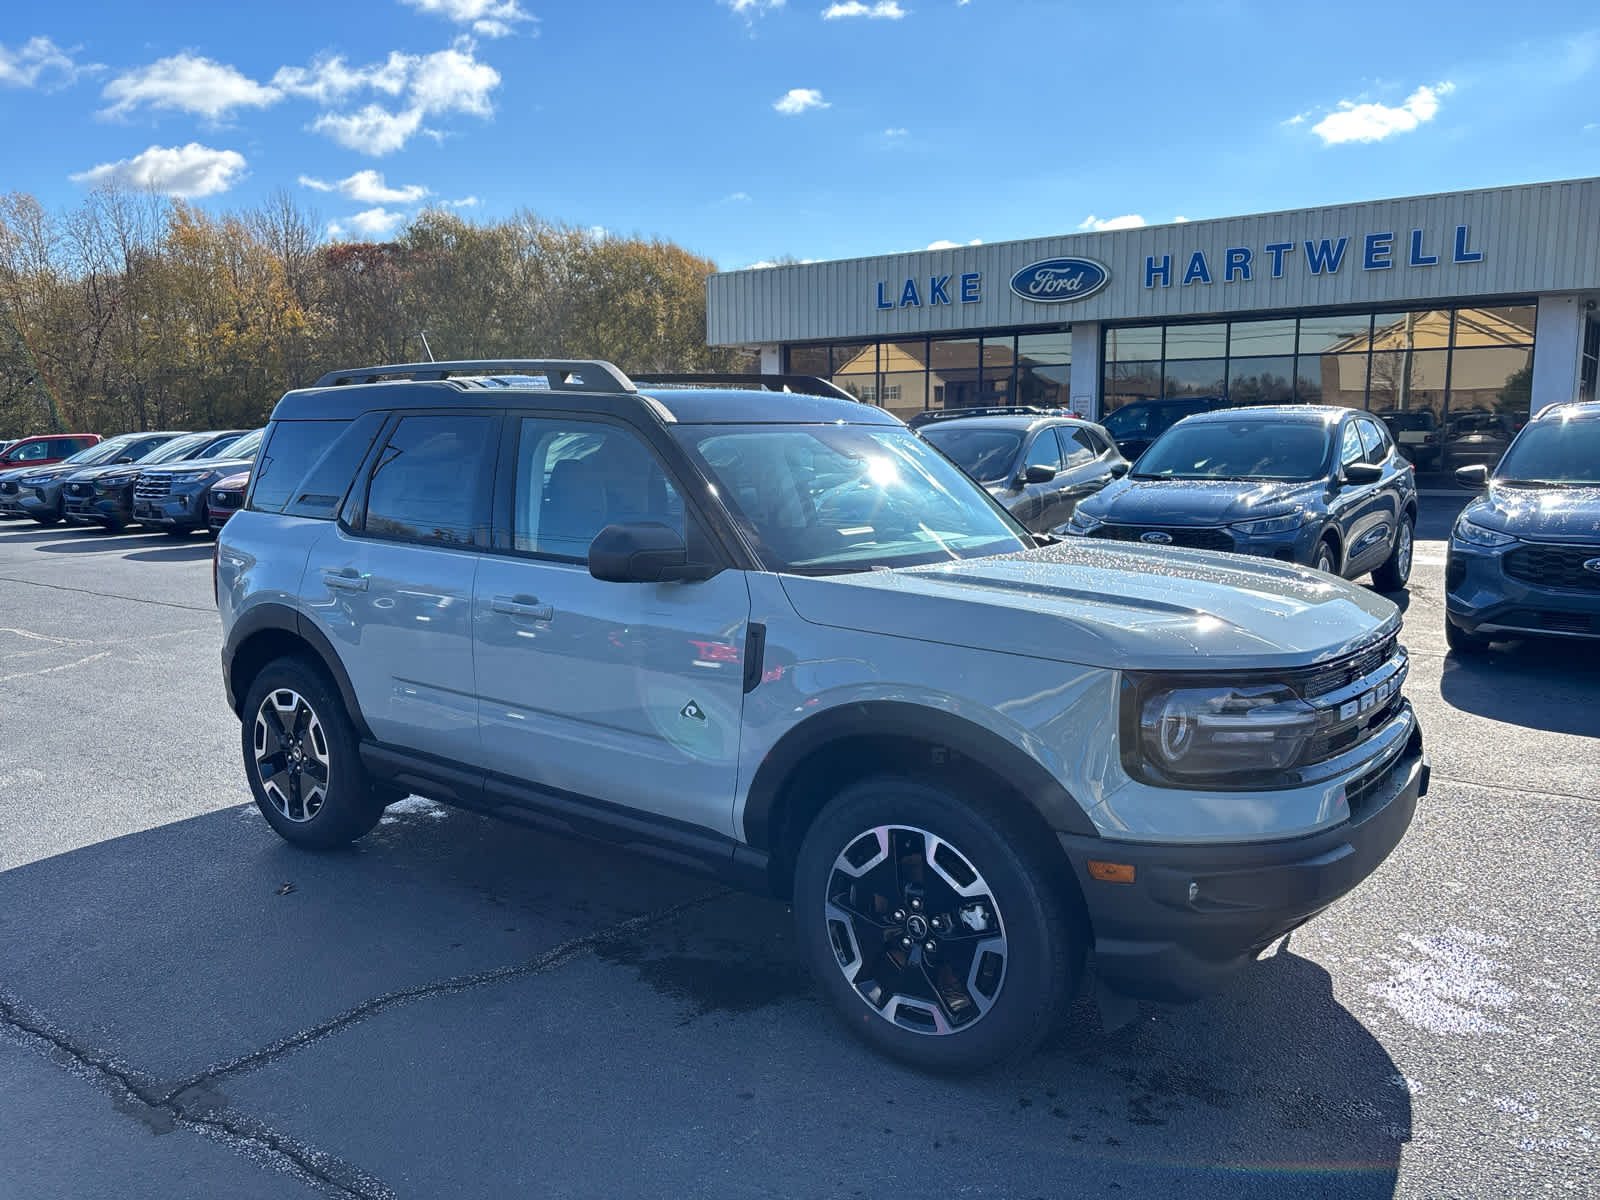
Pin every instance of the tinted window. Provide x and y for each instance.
(576, 477)
(1554, 451)
(32, 452)
(1373, 441)
(1079, 446)
(305, 467)
(431, 483)
(1242, 448)
(1045, 451)
(176, 449)
(985, 454)
(1350, 448)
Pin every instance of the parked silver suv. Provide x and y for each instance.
(777, 637)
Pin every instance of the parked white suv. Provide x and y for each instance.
(776, 637)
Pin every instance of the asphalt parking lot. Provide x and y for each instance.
(455, 1007)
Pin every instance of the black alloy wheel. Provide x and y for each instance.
(1395, 572)
(934, 925)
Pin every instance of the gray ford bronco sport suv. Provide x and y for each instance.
(775, 636)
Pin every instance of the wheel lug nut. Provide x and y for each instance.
(899, 914)
(930, 946)
(916, 905)
(905, 943)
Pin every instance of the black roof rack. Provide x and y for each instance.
(574, 375)
(928, 416)
(805, 385)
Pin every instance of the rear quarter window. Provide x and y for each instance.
(306, 467)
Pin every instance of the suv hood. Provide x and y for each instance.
(1133, 607)
(1196, 501)
(227, 466)
(1541, 513)
(53, 471)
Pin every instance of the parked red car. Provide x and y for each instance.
(225, 498)
(45, 449)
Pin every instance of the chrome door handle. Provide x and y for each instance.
(522, 606)
(346, 580)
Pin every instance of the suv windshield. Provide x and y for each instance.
(822, 499)
(985, 454)
(174, 450)
(244, 448)
(1244, 448)
(1554, 451)
(100, 452)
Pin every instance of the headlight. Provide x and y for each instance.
(1477, 535)
(33, 481)
(1213, 733)
(1287, 523)
(190, 476)
(1082, 523)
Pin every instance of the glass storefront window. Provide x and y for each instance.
(1411, 331)
(1331, 379)
(999, 363)
(1044, 369)
(1133, 343)
(1253, 338)
(903, 376)
(809, 360)
(1497, 379)
(1335, 335)
(1197, 341)
(953, 373)
(855, 369)
(1402, 382)
(1196, 377)
(1495, 326)
(1261, 380)
(1126, 382)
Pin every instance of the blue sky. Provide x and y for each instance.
(747, 129)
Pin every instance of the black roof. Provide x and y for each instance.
(571, 385)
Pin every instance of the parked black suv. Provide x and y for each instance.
(1038, 465)
(104, 495)
(1312, 484)
(1136, 425)
(173, 498)
(1524, 559)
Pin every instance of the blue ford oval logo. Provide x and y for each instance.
(1156, 535)
(1058, 280)
(1592, 564)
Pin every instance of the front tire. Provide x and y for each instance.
(1326, 559)
(302, 757)
(53, 516)
(1462, 642)
(1395, 573)
(935, 926)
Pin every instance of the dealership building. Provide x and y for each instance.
(1476, 306)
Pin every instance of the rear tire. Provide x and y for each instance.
(302, 758)
(893, 865)
(1462, 642)
(1395, 573)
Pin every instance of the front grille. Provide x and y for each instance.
(75, 490)
(1554, 566)
(1341, 673)
(1180, 535)
(8, 488)
(226, 500)
(152, 487)
(1550, 620)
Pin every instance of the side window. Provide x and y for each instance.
(1374, 440)
(576, 477)
(67, 447)
(1350, 448)
(1080, 446)
(32, 452)
(431, 483)
(305, 467)
(1045, 451)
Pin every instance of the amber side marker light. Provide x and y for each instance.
(1110, 872)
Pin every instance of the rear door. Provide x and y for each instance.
(391, 584)
(631, 693)
(1359, 507)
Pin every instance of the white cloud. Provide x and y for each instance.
(188, 83)
(760, 266)
(329, 79)
(38, 57)
(1100, 225)
(1372, 122)
(1180, 220)
(941, 244)
(376, 222)
(745, 7)
(371, 130)
(192, 170)
(736, 198)
(798, 100)
(464, 202)
(895, 132)
(453, 81)
(883, 10)
(489, 18)
(368, 187)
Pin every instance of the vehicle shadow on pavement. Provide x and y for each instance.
(90, 543)
(460, 1007)
(180, 552)
(1548, 686)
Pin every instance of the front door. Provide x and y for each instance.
(1360, 508)
(630, 693)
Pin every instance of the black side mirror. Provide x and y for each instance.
(1118, 470)
(126, 458)
(1475, 477)
(1361, 472)
(643, 552)
(1035, 474)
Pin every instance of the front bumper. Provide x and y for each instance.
(38, 502)
(1481, 599)
(176, 510)
(1194, 915)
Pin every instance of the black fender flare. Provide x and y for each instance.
(280, 618)
(890, 718)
